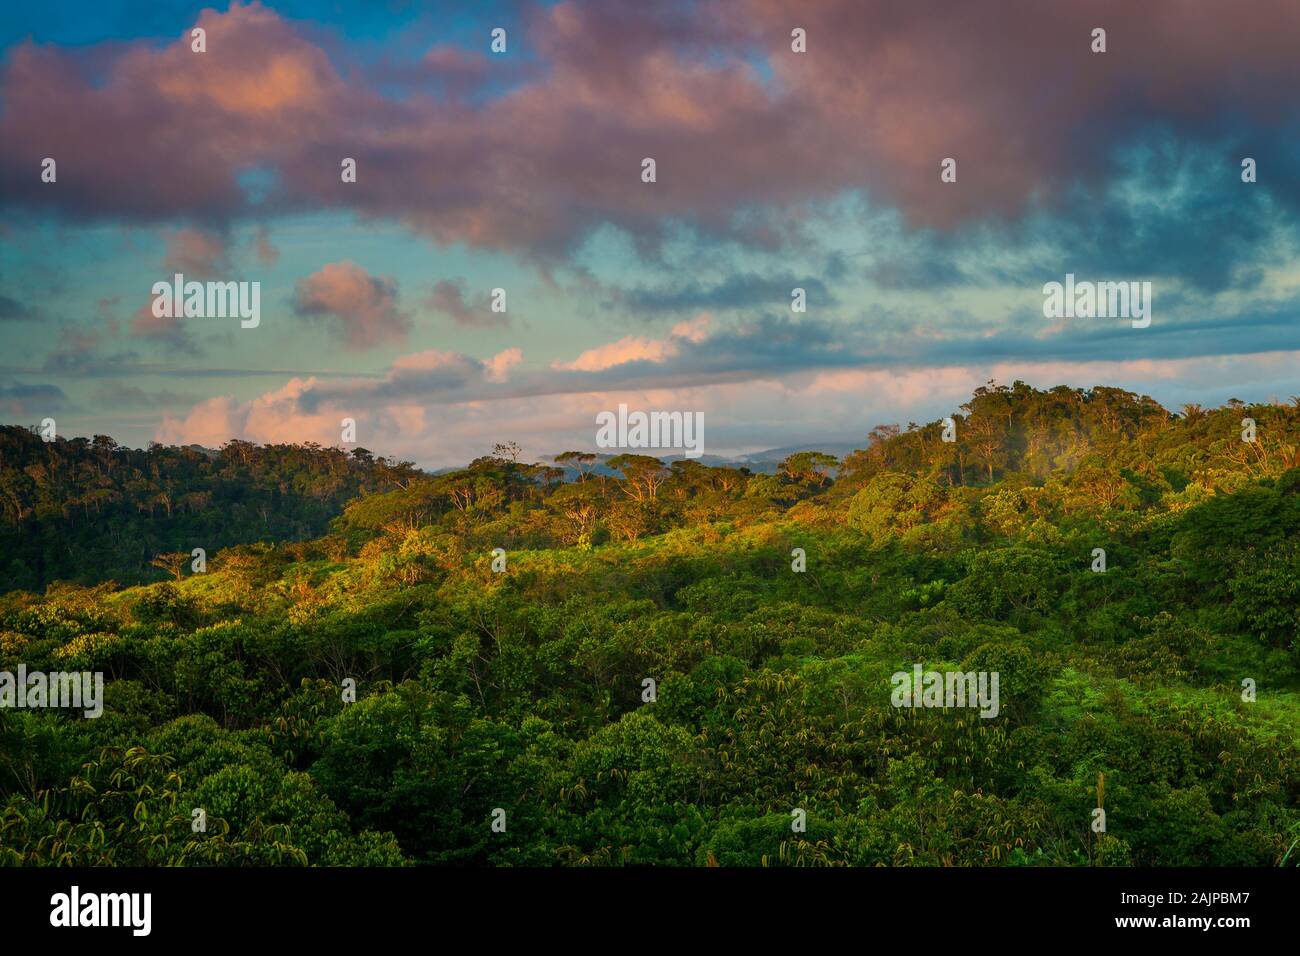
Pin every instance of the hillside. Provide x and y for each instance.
(523, 688)
(90, 511)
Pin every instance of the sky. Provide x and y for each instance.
(522, 170)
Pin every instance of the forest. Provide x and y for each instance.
(620, 660)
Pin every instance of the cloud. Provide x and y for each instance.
(426, 375)
(122, 395)
(700, 353)
(448, 297)
(639, 349)
(196, 254)
(1116, 166)
(152, 134)
(838, 405)
(625, 350)
(11, 310)
(748, 136)
(274, 417)
(76, 355)
(499, 366)
(363, 307)
(18, 401)
(168, 331)
(1037, 109)
(458, 71)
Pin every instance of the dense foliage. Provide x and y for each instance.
(92, 510)
(523, 689)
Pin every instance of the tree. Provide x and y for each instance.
(580, 505)
(809, 466)
(643, 475)
(580, 460)
(172, 561)
(507, 451)
(985, 437)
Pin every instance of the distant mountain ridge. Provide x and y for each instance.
(765, 462)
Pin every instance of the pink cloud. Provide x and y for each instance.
(274, 417)
(363, 307)
(634, 348)
(210, 423)
(628, 349)
(196, 253)
(499, 366)
(164, 133)
(885, 92)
